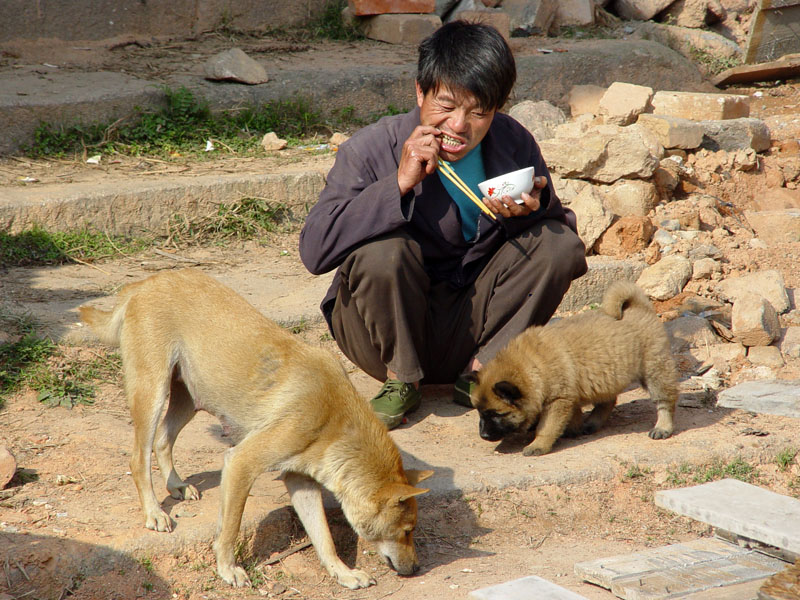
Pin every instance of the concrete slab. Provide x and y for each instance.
(701, 566)
(526, 588)
(776, 397)
(739, 508)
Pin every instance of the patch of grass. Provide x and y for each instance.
(36, 362)
(182, 127)
(249, 218)
(679, 476)
(712, 63)
(636, 472)
(330, 24)
(37, 246)
(736, 469)
(785, 458)
(147, 564)
(579, 32)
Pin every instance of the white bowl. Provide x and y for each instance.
(512, 184)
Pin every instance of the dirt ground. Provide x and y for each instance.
(71, 521)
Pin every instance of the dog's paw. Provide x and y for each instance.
(534, 450)
(659, 434)
(158, 521)
(354, 579)
(233, 575)
(184, 492)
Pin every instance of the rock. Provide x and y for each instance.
(768, 284)
(338, 138)
(271, 142)
(630, 197)
(593, 218)
(706, 268)
(399, 28)
(378, 7)
(775, 226)
(690, 332)
(605, 154)
(585, 99)
(754, 321)
(623, 102)
(8, 466)
(574, 12)
(735, 134)
(765, 356)
(629, 235)
(540, 118)
(640, 10)
(694, 13)
(789, 342)
(235, 65)
(666, 278)
(690, 42)
(701, 106)
(530, 17)
(673, 132)
(496, 18)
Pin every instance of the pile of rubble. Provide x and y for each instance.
(635, 166)
(718, 26)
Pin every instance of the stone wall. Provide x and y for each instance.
(103, 19)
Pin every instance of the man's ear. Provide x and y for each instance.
(420, 95)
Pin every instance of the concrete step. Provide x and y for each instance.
(704, 566)
(526, 588)
(740, 508)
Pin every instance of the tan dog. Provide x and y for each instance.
(189, 343)
(547, 374)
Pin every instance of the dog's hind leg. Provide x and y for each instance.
(306, 496)
(180, 411)
(599, 415)
(664, 392)
(147, 401)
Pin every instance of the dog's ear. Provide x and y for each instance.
(507, 392)
(471, 377)
(414, 476)
(399, 492)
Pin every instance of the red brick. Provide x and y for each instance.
(363, 8)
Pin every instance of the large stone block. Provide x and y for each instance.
(531, 16)
(736, 134)
(400, 28)
(673, 132)
(363, 8)
(640, 10)
(701, 106)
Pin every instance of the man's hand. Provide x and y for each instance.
(506, 207)
(419, 157)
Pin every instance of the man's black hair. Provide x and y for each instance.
(468, 56)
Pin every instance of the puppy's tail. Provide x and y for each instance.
(622, 295)
(104, 324)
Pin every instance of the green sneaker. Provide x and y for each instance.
(462, 390)
(394, 400)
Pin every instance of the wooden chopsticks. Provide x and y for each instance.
(446, 170)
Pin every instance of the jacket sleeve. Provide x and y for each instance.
(360, 201)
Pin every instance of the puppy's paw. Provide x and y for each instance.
(535, 450)
(660, 434)
(184, 492)
(233, 575)
(354, 579)
(589, 428)
(158, 521)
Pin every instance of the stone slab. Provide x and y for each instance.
(700, 566)
(362, 8)
(776, 397)
(740, 508)
(526, 588)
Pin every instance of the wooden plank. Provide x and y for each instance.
(774, 31)
(787, 67)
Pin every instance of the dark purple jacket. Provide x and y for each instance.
(361, 201)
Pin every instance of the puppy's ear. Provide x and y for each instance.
(472, 377)
(507, 392)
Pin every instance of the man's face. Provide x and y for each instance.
(457, 114)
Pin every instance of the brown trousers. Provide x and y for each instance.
(388, 313)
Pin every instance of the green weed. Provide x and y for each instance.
(711, 63)
(785, 458)
(330, 24)
(37, 246)
(736, 469)
(636, 472)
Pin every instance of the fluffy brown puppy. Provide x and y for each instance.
(546, 375)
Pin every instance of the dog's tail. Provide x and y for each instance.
(105, 324)
(622, 295)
